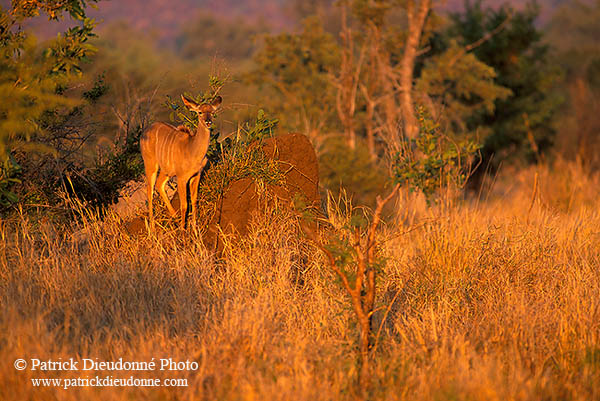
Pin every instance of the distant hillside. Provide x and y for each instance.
(166, 16)
(164, 19)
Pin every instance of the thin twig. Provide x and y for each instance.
(533, 196)
(311, 234)
(489, 35)
(483, 39)
(387, 311)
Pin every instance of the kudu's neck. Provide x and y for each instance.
(201, 138)
(198, 143)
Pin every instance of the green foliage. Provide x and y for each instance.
(62, 149)
(522, 124)
(71, 49)
(340, 166)
(433, 161)
(32, 80)
(208, 36)
(99, 89)
(100, 184)
(8, 177)
(298, 67)
(262, 128)
(463, 84)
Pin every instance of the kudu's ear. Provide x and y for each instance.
(217, 101)
(190, 104)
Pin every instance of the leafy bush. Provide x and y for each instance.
(8, 177)
(231, 159)
(352, 169)
(100, 185)
(433, 161)
(238, 158)
(31, 84)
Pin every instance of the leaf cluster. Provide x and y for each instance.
(298, 67)
(68, 51)
(433, 161)
(8, 177)
(33, 79)
(238, 158)
(463, 84)
(100, 185)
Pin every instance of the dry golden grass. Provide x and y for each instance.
(495, 299)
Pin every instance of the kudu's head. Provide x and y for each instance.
(205, 111)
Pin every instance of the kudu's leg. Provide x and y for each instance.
(194, 194)
(151, 178)
(161, 181)
(182, 183)
(194, 188)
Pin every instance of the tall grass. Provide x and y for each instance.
(492, 300)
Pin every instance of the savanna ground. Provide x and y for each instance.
(494, 298)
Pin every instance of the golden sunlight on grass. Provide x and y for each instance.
(492, 300)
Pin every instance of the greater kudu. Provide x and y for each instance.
(168, 151)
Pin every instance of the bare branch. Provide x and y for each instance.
(377, 218)
(489, 35)
(387, 311)
(313, 237)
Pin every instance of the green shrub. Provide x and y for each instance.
(342, 167)
(100, 185)
(238, 158)
(433, 161)
(9, 172)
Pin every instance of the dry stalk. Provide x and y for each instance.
(361, 288)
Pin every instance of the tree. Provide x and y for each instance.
(297, 67)
(416, 14)
(209, 36)
(382, 74)
(396, 74)
(573, 32)
(352, 254)
(33, 80)
(508, 41)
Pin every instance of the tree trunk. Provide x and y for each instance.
(370, 131)
(364, 377)
(416, 23)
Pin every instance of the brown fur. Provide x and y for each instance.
(167, 153)
(184, 129)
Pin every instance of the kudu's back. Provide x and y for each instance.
(161, 145)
